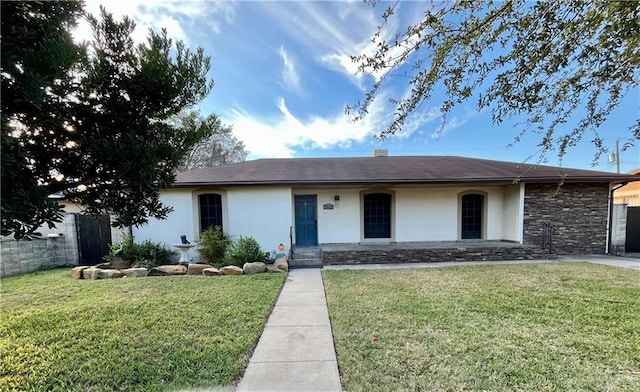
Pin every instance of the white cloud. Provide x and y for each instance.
(418, 120)
(334, 31)
(329, 31)
(452, 123)
(283, 134)
(174, 30)
(156, 15)
(342, 62)
(290, 76)
(279, 136)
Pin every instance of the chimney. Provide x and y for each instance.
(380, 153)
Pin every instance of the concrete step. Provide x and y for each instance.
(307, 256)
(307, 262)
(307, 253)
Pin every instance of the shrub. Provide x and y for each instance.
(146, 254)
(213, 245)
(151, 253)
(121, 250)
(246, 250)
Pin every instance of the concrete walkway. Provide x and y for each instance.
(613, 261)
(295, 351)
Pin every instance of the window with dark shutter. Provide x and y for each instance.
(210, 211)
(472, 206)
(377, 215)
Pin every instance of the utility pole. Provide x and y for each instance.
(617, 156)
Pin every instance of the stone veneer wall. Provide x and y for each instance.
(380, 256)
(21, 257)
(577, 212)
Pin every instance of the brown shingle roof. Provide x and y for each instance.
(385, 170)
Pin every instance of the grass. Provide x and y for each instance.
(560, 327)
(137, 334)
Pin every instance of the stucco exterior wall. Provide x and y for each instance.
(263, 213)
(513, 211)
(577, 212)
(494, 213)
(432, 214)
(419, 214)
(267, 213)
(340, 224)
(426, 214)
(178, 222)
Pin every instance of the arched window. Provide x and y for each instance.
(210, 210)
(377, 215)
(471, 211)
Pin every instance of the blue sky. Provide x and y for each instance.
(283, 77)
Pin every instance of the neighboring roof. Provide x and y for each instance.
(387, 171)
(632, 188)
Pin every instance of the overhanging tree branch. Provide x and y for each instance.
(547, 62)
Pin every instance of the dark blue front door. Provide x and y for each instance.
(306, 219)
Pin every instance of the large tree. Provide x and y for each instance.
(90, 121)
(38, 57)
(221, 148)
(549, 63)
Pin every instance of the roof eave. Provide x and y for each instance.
(392, 182)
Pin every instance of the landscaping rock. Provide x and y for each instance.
(120, 264)
(86, 273)
(282, 264)
(98, 273)
(211, 272)
(135, 272)
(273, 268)
(103, 266)
(76, 273)
(254, 268)
(231, 270)
(168, 270)
(196, 269)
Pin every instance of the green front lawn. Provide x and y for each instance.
(144, 334)
(508, 327)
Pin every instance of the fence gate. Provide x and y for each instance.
(632, 243)
(94, 237)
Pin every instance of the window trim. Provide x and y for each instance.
(483, 227)
(392, 216)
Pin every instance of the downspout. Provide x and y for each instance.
(610, 225)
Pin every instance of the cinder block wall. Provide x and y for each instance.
(619, 229)
(21, 257)
(577, 212)
(117, 234)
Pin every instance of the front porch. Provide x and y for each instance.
(426, 252)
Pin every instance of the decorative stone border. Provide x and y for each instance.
(104, 271)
